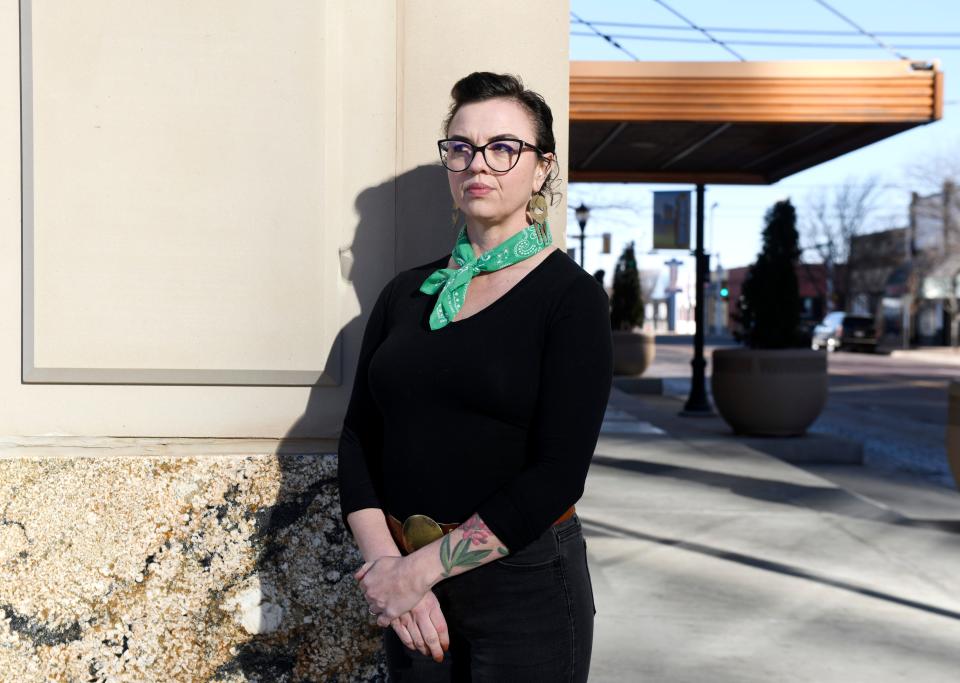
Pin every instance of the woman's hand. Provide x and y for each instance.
(424, 628)
(390, 587)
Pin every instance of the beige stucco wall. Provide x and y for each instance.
(191, 175)
(213, 194)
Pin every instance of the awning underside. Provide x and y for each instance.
(683, 151)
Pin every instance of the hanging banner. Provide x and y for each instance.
(671, 220)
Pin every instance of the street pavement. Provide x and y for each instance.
(714, 561)
(895, 405)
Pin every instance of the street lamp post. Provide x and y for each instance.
(583, 214)
(697, 403)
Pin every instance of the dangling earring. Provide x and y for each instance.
(537, 208)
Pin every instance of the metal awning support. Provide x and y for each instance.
(697, 403)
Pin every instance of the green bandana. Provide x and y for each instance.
(453, 282)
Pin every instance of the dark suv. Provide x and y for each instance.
(841, 330)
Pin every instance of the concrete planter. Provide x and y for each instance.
(953, 430)
(633, 352)
(771, 392)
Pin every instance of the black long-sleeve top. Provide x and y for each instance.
(497, 413)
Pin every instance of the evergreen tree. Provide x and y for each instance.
(626, 304)
(770, 303)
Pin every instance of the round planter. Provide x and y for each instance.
(633, 352)
(953, 430)
(769, 392)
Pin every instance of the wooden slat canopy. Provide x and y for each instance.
(737, 122)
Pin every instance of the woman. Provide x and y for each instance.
(481, 385)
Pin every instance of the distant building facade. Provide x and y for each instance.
(812, 284)
(909, 278)
(931, 286)
(879, 269)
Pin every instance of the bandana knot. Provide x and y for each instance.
(452, 283)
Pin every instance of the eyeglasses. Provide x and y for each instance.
(499, 155)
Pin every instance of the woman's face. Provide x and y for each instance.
(484, 195)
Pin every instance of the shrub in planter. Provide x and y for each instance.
(769, 304)
(777, 385)
(633, 350)
(626, 304)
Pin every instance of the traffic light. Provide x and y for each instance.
(606, 243)
(724, 290)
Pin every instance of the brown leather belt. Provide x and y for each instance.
(420, 530)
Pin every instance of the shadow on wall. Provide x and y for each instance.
(307, 616)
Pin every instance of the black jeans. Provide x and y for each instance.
(525, 617)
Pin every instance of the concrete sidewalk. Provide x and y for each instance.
(714, 560)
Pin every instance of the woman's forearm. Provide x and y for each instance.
(397, 584)
(468, 546)
(369, 527)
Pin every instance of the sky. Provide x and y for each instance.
(734, 214)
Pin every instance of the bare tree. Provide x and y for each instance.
(928, 173)
(833, 218)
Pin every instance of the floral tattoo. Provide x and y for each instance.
(473, 530)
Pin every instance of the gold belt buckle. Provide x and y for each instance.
(420, 530)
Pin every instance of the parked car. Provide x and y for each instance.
(841, 330)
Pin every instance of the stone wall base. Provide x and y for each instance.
(195, 568)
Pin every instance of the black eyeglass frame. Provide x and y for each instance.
(483, 150)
